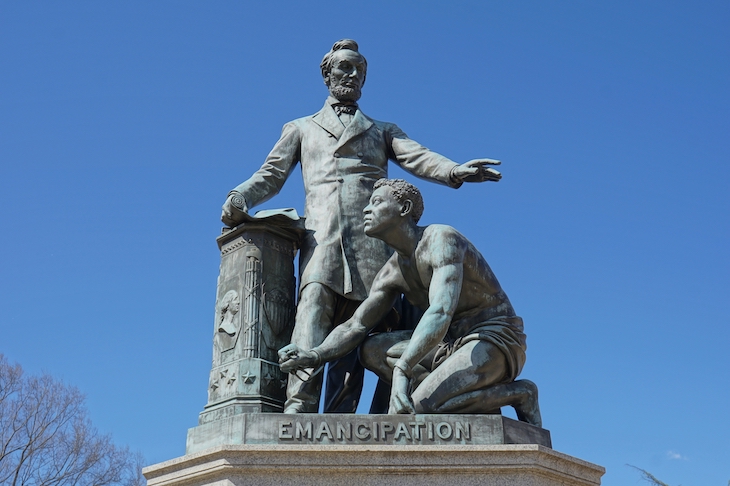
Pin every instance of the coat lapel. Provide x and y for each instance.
(327, 119)
(359, 124)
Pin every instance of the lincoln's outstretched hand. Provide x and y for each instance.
(477, 171)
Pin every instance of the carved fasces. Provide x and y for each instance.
(252, 302)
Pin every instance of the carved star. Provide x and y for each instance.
(231, 379)
(283, 383)
(268, 378)
(215, 384)
(248, 377)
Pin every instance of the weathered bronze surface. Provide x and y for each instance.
(447, 378)
(342, 153)
(468, 348)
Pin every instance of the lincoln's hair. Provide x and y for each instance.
(230, 297)
(403, 190)
(350, 45)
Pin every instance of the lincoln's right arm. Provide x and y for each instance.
(347, 336)
(269, 179)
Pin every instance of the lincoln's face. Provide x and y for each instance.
(347, 76)
(383, 212)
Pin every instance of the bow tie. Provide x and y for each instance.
(348, 109)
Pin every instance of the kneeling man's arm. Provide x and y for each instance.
(348, 335)
(445, 256)
(443, 295)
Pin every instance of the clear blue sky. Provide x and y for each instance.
(123, 125)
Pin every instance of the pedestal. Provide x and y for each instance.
(376, 465)
(254, 315)
(357, 430)
(403, 450)
(242, 440)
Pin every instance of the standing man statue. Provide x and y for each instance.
(469, 346)
(342, 152)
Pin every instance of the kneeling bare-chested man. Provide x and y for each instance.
(467, 349)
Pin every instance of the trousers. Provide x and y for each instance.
(319, 310)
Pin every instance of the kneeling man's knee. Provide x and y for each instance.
(372, 354)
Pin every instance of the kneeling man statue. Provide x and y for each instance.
(469, 346)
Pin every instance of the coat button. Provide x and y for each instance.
(337, 154)
(360, 154)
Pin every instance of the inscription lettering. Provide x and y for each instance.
(416, 429)
(386, 431)
(362, 432)
(344, 432)
(385, 427)
(402, 430)
(302, 431)
(283, 432)
(324, 429)
(443, 430)
(463, 430)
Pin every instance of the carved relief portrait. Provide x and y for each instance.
(228, 308)
(227, 325)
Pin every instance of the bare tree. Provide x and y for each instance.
(649, 477)
(47, 439)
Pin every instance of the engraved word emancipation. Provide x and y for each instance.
(378, 431)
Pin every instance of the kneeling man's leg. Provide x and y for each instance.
(468, 381)
(379, 353)
(376, 349)
(520, 394)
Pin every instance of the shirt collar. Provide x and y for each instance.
(331, 101)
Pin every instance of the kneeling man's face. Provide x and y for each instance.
(383, 212)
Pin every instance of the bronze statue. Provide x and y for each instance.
(469, 346)
(342, 153)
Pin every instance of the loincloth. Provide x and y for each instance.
(503, 332)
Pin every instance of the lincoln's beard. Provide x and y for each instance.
(345, 93)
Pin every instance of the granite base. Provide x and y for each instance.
(371, 465)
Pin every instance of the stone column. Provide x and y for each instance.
(254, 315)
